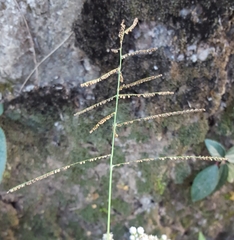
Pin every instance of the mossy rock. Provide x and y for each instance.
(9, 221)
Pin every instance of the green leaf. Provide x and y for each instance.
(215, 148)
(230, 177)
(3, 153)
(201, 236)
(230, 155)
(205, 183)
(223, 175)
(1, 109)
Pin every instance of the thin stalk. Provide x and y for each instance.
(113, 143)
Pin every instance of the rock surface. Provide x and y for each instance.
(49, 24)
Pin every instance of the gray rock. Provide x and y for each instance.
(50, 23)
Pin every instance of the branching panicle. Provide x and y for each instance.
(139, 52)
(205, 158)
(114, 114)
(145, 95)
(162, 115)
(102, 121)
(54, 172)
(103, 77)
(138, 82)
(95, 106)
(128, 30)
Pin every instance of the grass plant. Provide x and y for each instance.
(113, 115)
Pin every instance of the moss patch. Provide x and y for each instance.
(225, 125)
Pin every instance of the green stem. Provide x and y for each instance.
(113, 145)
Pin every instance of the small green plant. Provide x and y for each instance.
(215, 176)
(3, 148)
(201, 236)
(117, 123)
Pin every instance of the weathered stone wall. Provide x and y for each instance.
(49, 23)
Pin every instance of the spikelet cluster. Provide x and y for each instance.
(162, 115)
(145, 95)
(122, 96)
(114, 50)
(102, 121)
(206, 158)
(103, 77)
(121, 77)
(95, 105)
(143, 80)
(54, 172)
(139, 52)
(121, 32)
(128, 30)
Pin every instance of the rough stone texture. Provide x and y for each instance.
(50, 23)
(192, 37)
